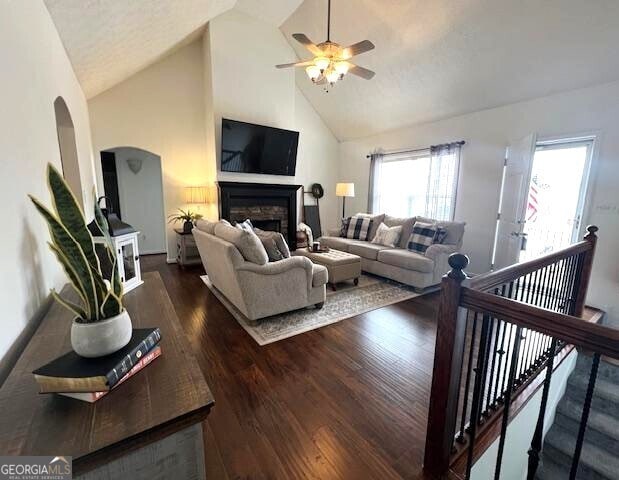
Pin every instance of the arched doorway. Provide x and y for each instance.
(68, 149)
(133, 184)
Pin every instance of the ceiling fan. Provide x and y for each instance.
(331, 60)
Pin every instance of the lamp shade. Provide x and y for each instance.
(345, 190)
(197, 195)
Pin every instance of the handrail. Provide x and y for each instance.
(548, 315)
(489, 280)
(573, 330)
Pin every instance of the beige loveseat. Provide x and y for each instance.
(415, 269)
(259, 290)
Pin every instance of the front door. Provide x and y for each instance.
(512, 204)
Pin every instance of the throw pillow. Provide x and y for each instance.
(246, 225)
(376, 221)
(356, 227)
(387, 236)
(441, 235)
(248, 243)
(421, 237)
(274, 243)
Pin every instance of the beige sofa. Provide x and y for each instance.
(260, 290)
(411, 268)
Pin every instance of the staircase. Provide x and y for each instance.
(599, 458)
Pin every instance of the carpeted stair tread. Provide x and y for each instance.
(605, 394)
(595, 462)
(606, 370)
(602, 429)
(549, 470)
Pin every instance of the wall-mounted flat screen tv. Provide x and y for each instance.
(249, 148)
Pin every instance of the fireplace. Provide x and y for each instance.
(268, 206)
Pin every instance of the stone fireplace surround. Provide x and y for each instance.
(268, 206)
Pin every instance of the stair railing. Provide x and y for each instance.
(496, 333)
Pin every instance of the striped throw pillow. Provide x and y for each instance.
(356, 227)
(422, 237)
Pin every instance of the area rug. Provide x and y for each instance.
(348, 301)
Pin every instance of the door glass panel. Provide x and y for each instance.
(554, 204)
(128, 254)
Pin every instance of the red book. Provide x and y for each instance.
(92, 397)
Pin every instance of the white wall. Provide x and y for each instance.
(36, 71)
(246, 86)
(487, 133)
(161, 110)
(141, 198)
(521, 428)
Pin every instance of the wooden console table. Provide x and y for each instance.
(158, 412)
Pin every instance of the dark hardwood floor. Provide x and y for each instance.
(348, 401)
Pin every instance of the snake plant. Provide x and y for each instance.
(74, 247)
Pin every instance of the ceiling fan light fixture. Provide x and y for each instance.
(341, 68)
(332, 76)
(322, 63)
(313, 72)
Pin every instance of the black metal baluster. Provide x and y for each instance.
(569, 294)
(573, 286)
(483, 413)
(469, 368)
(495, 349)
(508, 398)
(477, 393)
(585, 415)
(536, 442)
(564, 290)
(500, 350)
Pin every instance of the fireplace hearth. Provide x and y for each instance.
(268, 206)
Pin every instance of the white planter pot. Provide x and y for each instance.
(101, 338)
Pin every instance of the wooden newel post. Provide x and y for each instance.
(448, 355)
(585, 271)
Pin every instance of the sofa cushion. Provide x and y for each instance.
(455, 230)
(366, 250)
(376, 221)
(247, 242)
(339, 243)
(320, 275)
(405, 259)
(206, 226)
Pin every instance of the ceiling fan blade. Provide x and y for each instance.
(307, 43)
(297, 64)
(357, 48)
(361, 72)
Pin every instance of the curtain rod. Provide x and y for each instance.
(461, 142)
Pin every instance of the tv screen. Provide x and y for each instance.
(249, 148)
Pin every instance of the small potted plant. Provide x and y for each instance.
(188, 218)
(101, 325)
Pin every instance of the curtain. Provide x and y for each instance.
(443, 181)
(376, 159)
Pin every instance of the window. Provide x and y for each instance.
(421, 182)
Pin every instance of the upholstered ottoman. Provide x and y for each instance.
(341, 266)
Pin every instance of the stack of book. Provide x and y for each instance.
(89, 379)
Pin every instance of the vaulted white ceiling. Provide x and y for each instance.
(433, 59)
(440, 58)
(110, 40)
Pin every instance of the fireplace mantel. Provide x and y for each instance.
(257, 198)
